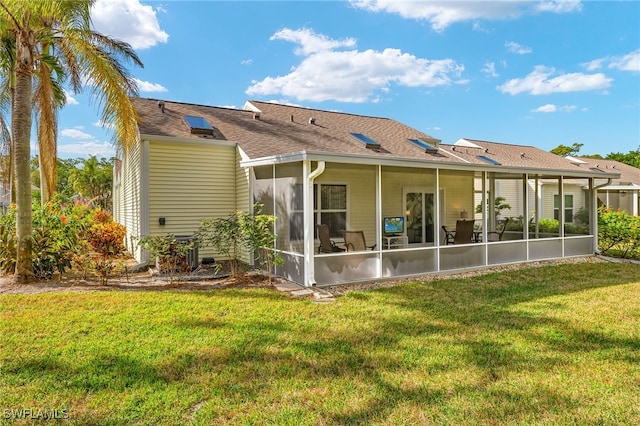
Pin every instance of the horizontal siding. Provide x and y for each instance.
(130, 202)
(189, 183)
(361, 193)
(459, 195)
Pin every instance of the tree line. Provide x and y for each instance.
(47, 47)
(631, 158)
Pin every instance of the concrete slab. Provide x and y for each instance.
(303, 292)
(288, 287)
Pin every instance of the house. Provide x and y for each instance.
(622, 193)
(396, 184)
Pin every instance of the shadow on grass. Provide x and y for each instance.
(447, 351)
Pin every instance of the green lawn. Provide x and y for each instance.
(551, 345)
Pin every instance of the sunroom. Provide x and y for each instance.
(404, 208)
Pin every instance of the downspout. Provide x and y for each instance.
(594, 213)
(310, 279)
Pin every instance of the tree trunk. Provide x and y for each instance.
(21, 121)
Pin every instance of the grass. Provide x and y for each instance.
(550, 345)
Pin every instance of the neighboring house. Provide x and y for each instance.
(396, 184)
(622, 193)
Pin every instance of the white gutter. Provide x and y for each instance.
(310, 273)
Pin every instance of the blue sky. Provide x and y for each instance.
(539, 73)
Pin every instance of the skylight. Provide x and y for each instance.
(198, 125)
(368, 142)
(489, 160)
(424, 145)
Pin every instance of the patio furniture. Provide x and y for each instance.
(327, 245)
(464, 232)
(354, 241)
(497, 235)
(448, 235)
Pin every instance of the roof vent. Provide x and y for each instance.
(292, 118)
(161, 106)
(312, 120)
(256, 115)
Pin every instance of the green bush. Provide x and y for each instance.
(618, 233)
(61, 234)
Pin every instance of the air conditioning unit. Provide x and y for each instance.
(192, 255)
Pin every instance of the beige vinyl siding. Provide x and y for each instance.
(550, 190)
(458, 190)
(130, 198)
(188, 183)
(243, 197)
(394, 182)
(361, 195)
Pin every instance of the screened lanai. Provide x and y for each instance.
(403, 210)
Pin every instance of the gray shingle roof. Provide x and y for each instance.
(285, 129)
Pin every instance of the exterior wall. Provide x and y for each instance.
(458, 191)
(579, 198)
(128, 207)
(189, 182)
(396, 180)
(361, 195)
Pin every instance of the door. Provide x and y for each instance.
(419, 207)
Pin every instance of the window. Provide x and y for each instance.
(329, 208)
(568, 208)
(332, 208)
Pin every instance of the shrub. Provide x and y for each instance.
(238, 231)
(170, 254)
(618, 233)
(64, 235)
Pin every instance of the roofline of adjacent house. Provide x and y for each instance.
(631, 187)
(412, 162)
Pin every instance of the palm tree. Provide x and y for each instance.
(89, 58)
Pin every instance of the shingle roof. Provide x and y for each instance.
(629, 175)
(265, 129)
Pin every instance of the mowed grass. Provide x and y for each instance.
(550, 345)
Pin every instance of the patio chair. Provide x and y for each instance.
(327, 245)
(464, 232)
(354, 241)
(448, 235)
(497, 235)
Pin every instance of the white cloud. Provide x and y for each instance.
(70, 100)
(145, 86)
(129, 21)
(540, 82)
(441, 14)
(76, 133)
(104, 125)
(246, 62)
(559, 6)
(514, 47)
(309, 42)
(554, 108)
(628, 62)
(490, 69)
(352, 75)
(99, 149)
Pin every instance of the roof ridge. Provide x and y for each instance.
(325, 111)
(188, 103)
